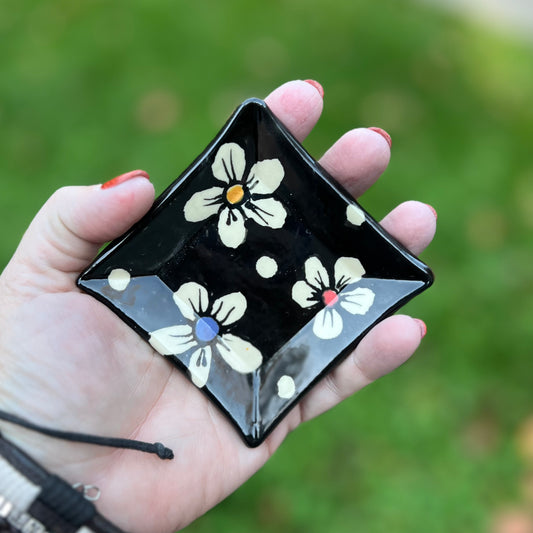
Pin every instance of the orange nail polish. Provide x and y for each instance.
(384, 134)
(433, 209)
(422, 326)
(125, 177)
(317, 86)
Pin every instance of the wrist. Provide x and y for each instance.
(34, 500)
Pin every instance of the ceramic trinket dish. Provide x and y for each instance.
(254, 272)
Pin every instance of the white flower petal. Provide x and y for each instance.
(357, 301)
(265, 176)
(327, 324)
(173, 340)
(203, 204)
(303, 294)
(199, 365)
(192, 300)
(355, 215)
(348, 270)
(231, 227)
(239, 354)
(315, 274)
(266, 212)
(229, 308)
(229, 164)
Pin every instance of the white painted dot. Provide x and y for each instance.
(286, 387)
(355, 215)
(266, 267)
(119, 279)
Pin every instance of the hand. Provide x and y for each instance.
(68, 362)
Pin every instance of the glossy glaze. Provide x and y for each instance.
(254, 272)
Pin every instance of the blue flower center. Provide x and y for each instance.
(206, 329)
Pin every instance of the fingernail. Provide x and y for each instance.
(125, 177)
(317, 86)
(422, 326)
(384, 134)
(433, 210)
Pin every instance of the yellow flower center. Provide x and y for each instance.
(235, 194)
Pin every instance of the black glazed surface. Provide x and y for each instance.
(254, 272)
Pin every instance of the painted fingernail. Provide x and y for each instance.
(433, 210)
(317, 86)
(125, 177)
(384, 134)
(422, 326)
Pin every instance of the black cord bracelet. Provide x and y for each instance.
(157, 448)
(35, 501)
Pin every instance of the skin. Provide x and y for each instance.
(68, 362)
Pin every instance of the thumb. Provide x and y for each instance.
(73, 224)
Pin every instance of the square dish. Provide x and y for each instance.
(254, 272)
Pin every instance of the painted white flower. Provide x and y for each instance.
(203, 334)
(318, 290)
(238, 198)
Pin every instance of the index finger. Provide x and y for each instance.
(298, 104)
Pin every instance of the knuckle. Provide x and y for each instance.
(333, 387)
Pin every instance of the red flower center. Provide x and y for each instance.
(330, 297)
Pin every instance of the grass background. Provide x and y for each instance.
(90, 89)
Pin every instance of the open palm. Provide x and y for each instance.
(68, 362)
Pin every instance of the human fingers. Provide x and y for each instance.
(357, 159)
(67, 232)
(298, 105)
(413, 224)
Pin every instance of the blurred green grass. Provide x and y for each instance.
(90, 89)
